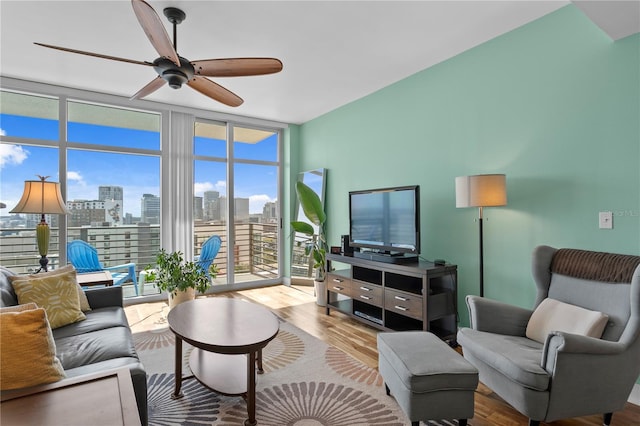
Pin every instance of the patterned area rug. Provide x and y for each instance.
(305, 383)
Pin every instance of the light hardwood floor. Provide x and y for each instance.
(297, 306)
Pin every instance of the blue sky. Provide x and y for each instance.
(137, 174)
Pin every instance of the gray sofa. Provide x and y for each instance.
(566, 374)
(103, 341)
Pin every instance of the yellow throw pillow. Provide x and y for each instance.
(57, 294)
(27, 348)
(84, 303)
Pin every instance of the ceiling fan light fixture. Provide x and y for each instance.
(175, 78)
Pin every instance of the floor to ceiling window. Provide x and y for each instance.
(108, 162)
(236, 197)
(113, 173)
(33, 120)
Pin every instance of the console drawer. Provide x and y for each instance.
(407, 304)
(339, 284)
(367, 293)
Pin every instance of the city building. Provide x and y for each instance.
(150, 209)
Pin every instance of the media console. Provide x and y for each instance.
(391, 296)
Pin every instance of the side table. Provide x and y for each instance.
(95, 278)
(99, 399)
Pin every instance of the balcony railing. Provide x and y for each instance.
(255, 248)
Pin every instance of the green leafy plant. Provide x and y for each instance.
(313, 211)
(173, 274)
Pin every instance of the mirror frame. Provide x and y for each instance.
(311, 178)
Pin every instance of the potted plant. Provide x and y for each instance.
(180, 279)
(317, 247)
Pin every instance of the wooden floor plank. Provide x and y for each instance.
(296, 305)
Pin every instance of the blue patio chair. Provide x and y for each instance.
(209, 251)
(84, 257)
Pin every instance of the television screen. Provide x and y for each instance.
(386, 220)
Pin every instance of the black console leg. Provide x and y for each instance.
(534, 422)
(415, 423)
(386, 389)
(606, 419)
(462, 422)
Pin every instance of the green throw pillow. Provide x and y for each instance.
(57, 294)
(84, 303)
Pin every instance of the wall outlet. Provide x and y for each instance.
(605, 220)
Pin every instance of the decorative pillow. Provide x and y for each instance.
(84, 303)
(553, 315)
(28, 351)
(57, 294)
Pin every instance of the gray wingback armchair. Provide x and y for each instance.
(568, 375)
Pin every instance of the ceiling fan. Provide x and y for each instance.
(176, 70)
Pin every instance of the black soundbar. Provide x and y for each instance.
(400, 258)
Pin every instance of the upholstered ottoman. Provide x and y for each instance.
(428, 379)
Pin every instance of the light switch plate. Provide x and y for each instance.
(605, 220)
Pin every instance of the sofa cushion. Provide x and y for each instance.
(7, 295)
(516, 357)
(57, 294)
(28, 349)
(553, 315)
(95, 346)
(97, 319)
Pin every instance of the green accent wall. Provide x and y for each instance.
(555, 105)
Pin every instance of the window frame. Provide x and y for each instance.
(167, 113)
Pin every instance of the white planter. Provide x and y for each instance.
(181, 296)
(320, 288)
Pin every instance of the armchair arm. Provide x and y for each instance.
(599, 373)
(497, 317)
(559, 343)
(103, 297)
(130, 266)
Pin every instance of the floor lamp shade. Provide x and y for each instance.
(41, 197)
(481, 191)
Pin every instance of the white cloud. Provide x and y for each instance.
(75, 176)
(257, 202)
(12, 154)
(199, 188)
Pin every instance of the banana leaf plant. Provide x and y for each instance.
(313, 211)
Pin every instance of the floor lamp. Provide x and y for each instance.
(481, 191)
(41, 197)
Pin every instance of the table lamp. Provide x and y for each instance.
(41, 197)
(481, 191)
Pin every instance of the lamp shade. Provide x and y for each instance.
(481, 190)
(41, 197)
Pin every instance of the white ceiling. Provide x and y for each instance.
(334, 52)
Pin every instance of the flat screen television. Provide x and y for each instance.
(386, 221)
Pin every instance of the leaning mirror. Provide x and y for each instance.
(302, 265)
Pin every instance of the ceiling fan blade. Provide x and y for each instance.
(155, 31)
(97, 55)
(237, 67)
(153, 85)
(215, 91)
